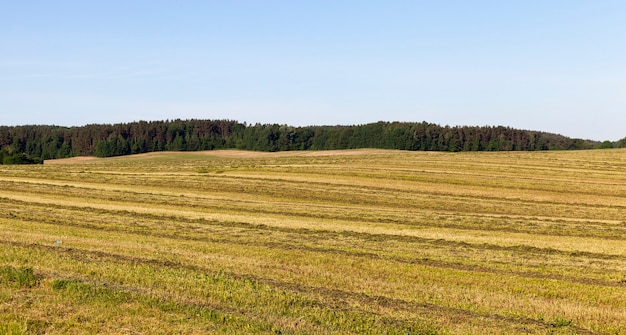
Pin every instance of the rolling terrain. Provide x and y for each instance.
(316, 242)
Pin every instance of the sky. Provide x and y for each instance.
(555, 66)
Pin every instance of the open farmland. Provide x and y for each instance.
(364, 241)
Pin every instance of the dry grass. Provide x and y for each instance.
(363, 241)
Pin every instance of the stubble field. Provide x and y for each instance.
(364, 241)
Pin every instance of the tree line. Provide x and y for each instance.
(8, 157)
(41, 142)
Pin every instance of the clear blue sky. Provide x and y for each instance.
(557, 66)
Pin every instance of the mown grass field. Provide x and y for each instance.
(365, 241)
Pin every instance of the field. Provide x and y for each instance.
(337, 242)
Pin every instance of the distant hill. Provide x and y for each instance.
(40, 142)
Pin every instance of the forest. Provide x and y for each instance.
(35, 143)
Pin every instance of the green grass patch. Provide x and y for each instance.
(19, 277)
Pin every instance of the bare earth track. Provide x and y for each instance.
(355, 241)
(224, 154)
